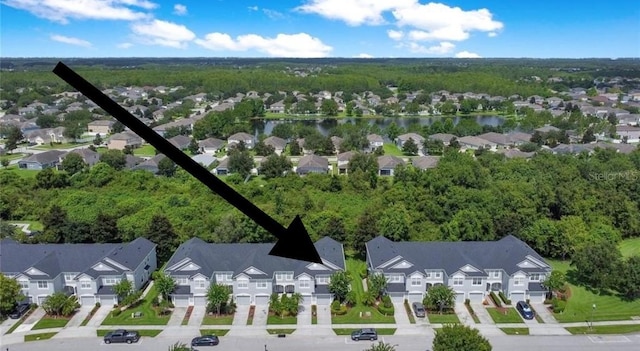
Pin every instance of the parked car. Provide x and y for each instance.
(365, 334)
(525, 310)
(205, 340)
(20, 309)
(121, 335)
(418, 309)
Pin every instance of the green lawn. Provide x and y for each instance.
(435, 318)
(217, 320)
(50, 322)
(630, 247)
(606, 329)
(23, 173)
(33, 225)
(143, 332)
(59, 146)
(271, 319)
(515, 331)
(41, 336)
(145, 150)
(353, 316)
(10, 157)
(511, 316)
(218, 332)
(348, 331)
(391, 149)
(280, 331)
(579, 306)
(149, 315)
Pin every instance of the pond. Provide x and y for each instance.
(324, 125)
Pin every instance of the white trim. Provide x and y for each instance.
(109, 260)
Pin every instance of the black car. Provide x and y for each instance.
(418, 309)
(19, 310)
(205, 340)
(121, 335)
(525, 310)
(365, 334)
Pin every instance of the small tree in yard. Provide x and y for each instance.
(59, 304)
(164, 284)
(123, 289)
(275, 304)
(439, 298)
(292, 303)
(339, 285)
(217, 295)
(377, 284)
(555, 281)
(10, 293)
(459, 338)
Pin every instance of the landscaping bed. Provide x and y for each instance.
(149, 314)
(252, 311)
(187, 315)
(88, 318)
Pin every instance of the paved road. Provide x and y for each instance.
(322, 343)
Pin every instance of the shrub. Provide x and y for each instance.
(467, 301)
(504, 298)
(98, 304)
(387, 311)
(386, 301)
(342, 310)
(116, 312)
(495, 299)
(335, 305)
(558, 305)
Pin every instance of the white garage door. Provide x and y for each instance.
(107, 300)
(199, 300)
(88, 300)
(476, 297)
(537, 296)
(397, 297)
(243, 300)
(459, 297)
(262, 300)
(306, 300)
(415, 298)
(323, 300)
(41, 300)
(516, 296)
(181, 301)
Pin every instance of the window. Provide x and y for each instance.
(43, 284)
(261, 285)
(228, 276)
(458, 281)
(416, 281)
(182, 281)
(279, 276)
(322, 279)
(438, 274)
(495, 274)
(23, 284)
(476, 281)
(69, 277)
(85, 284)
(219, 277)
(110, 281)
(243, 284)
(395, 278)
(534, 277)
(428, 275)
(304, 283)
(518, 281)
(199, 283)
(289, 276)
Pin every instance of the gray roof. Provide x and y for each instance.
(389, 162)
(180, 141)
(445, 138)
(236, 258)
(311, 163)
(53, 259)
(504, 254)
(212, 142)
(547, 129)
(417, 138)
(150, 164)
(46, 157)
(276, 142)
(425, 162)
(346, 156)
(241, 136)
(375, 138)
(514, 153)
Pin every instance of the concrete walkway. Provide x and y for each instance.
(482, 313)
(304, 315)
(241, 315)
(197, 316)
(79, 317)
(31, 321)
(400, 314)
(177, 316)
(463, 315)
(99, 316)
(324, 315)
(543, 312)
(260, 315)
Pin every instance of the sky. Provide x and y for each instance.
(320, 28)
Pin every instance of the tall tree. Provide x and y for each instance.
(164, 284)
(114, 158)
(459, 338)
(594, 264)
(440, 297)
(628, 282)
(339, 285)
(123, 289)
(410, 147)
(105, 229)
(275, 166)
(366, 230)
(160, 232)
(73, 163)
(334, 229)
(217, 295)
(240, 162)
(13, 135)
(10, 293)
(55, 222)
(166, 167)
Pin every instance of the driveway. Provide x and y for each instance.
(400, 314)
(544, 313)
(260, 315)
(31, 320)
(197, 316)
(241, 315)
(481, 313)
(324, 314)
(7, 324)
(79, 317)
(100, 315)
(177, 316)
(304, 315)
(463, 314)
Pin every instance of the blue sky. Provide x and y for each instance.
(319, 28)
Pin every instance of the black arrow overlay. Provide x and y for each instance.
(293, 242)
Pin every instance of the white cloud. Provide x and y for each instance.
(253, 8)
(124, 45)
(364, 55)
(163, 33)
(467, 54)
(283, 45)
(492, 34)
(441, 49)
(435, 21)
(273, 14)
(395, 34)
(180, 9)
(353, 12)
(62, 11)
(70, 40)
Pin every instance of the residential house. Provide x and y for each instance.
(417, 139)
(43, 160)
(375, 141)
(387, 164)
(223, 167)
(515, 153)
(235, 139)
(180, 141)
(88, 271)
(205, 160)
(278, 144)
(150, 165)
(312, 164)
(211, 145)
(443, 137)
(573, 148)
(251, 272)
(343, 161)
(181, 123)
(277, 107)
(102, 127)
(475, 143)
(425, 162)
(630, 133)
(120, 141)
(89, 156)
(132, 161)
(471, 268)
(46, 136)
(547, 129)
